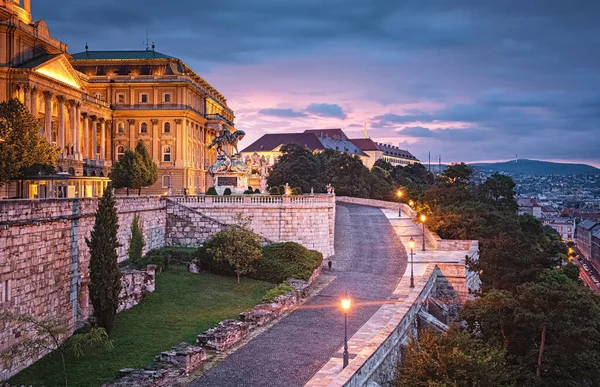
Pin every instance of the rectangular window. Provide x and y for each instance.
(167, 98)
(120, 98)
(143, 98)
(166, 181)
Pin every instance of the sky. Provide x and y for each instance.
(467, 80)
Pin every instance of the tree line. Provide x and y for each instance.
(534, 323)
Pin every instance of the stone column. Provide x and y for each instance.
(86, 130)
(131, 123)
(78, 131)
(27, 97)
(34, 102)
(155, 135)
(73, 116)
(179, 148)
(108, 153)
(61, 123)
(48, 116)
(94, 153)
(102, 139)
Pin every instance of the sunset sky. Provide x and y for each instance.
(470, 80)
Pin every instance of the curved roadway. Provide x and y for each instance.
(369, 260)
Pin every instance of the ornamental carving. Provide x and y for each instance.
(131, 121)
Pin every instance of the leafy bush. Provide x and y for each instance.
(212, 191)
(227, 192)
(287, 260)
(248, 192)
(250, 189)
(207, 261)
(272, 294)
(297, 191)
(281, 189)
(256, 191)
(274, 191)
(136, 241)
(157, 257)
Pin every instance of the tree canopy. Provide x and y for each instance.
(135, 170)
(21, 144)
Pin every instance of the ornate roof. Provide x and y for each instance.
(120, 55)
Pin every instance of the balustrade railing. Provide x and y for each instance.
(253, 200)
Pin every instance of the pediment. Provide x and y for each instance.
(59, 69)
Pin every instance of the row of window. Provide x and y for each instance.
(166, 152)
(143, 128)
(144, 98)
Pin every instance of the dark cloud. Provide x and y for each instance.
(285, 113)
(416, 131)
(326, 110)
(501, 77)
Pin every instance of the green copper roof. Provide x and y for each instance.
(116, 55)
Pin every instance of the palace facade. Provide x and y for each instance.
(94, 105)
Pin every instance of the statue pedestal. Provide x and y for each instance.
(237, 182)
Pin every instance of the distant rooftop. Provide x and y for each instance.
(333, 133)
(270, 142)
(366, 144)
(120, 55)
(588, 224)
(391, 150)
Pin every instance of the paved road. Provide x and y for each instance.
(368, 263)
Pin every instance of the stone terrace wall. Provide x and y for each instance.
(44, 259)
(308, 220)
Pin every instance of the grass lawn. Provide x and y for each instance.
(183, 306)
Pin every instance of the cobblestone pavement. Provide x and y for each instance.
(369, 260)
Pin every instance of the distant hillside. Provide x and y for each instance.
(537, 167)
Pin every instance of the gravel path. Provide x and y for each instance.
(368, 263)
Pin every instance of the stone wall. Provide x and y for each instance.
(135, 284)
(44, 258)
(308, 220)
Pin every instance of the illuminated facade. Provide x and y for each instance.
(96, 104)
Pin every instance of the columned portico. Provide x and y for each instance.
(102, 139)
(92, 155)
(86, 130)
(78, 131)
(34, 109)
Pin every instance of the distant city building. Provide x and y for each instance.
(94, 105)
(564, 226)
(585, 229)
(595, 259)
(367, 150)
(529, 206)
(549, 212)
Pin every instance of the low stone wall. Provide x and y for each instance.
(135, 284)
(308, 220)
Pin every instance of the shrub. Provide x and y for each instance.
(227, 192)
(248, 192)
(207, 261)
(272, 294)
(256, 191)
(281, 189)
(212, 191)
(287, 260)
(157, 257)
(250, 189)
(297, 191)
(274, 191)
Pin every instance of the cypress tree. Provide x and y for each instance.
(105, 276)
(136, 242)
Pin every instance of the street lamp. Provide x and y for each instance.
(399, 194)
(411, 203)
(411, 244)
(345, 307)
(423, 218)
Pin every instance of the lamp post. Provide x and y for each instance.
(411, 203)
(345, 307)
(411, 244)
(423, 218)
(399, 194)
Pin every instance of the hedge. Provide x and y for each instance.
(285, 260)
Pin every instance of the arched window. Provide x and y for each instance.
(167, 98)
(166, 153)
(120, 152)
(167, 127)
(166, 181)
(120, 128)
(144, 128)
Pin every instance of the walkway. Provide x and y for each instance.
(368, 263)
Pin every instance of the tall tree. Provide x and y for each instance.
(458, 173)
(136, 241)
(22, 144)
(151, 169)
(105, 275)
(129, 172)
(297, 166)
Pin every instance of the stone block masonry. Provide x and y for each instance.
(44, 260)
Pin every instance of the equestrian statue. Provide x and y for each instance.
(227, 138)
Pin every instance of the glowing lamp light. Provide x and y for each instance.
(399, 194)
(423, 218)
(411, 243)
(345, 304)
(288, 192)
(411, 203)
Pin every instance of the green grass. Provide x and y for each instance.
(183, 306)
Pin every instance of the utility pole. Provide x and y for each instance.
(429, 161)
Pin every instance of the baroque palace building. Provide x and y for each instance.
(96, 104)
